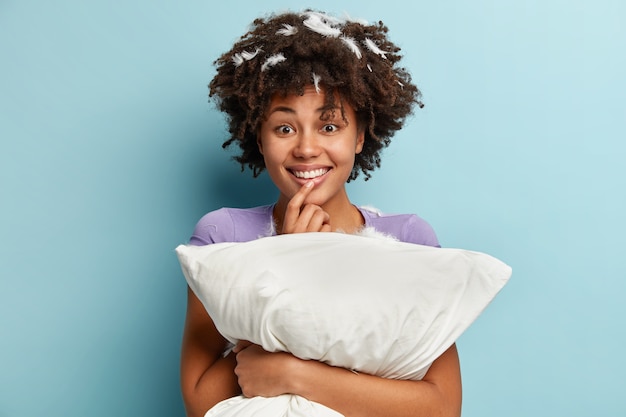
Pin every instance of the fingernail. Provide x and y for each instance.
(309, 184)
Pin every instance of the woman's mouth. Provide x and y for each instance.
(312, 174)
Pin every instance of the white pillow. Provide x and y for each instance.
(374, 305)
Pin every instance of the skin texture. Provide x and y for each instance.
(299, 135)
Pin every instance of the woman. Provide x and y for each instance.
(312, 99)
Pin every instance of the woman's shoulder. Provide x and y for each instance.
(408, 228)
(230, 224)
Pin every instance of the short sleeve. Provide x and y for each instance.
(419, 231)
(214, 227)
(408, 228)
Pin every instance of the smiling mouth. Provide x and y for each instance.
(307, 175)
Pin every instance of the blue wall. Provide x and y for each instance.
(110, 153)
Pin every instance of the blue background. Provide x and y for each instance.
(110, 152)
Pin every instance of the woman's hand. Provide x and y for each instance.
(266, 374)
(262, 373)
(301, 217)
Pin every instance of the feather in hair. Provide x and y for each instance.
(315, 23)
(374, 48)
(249, 55)
(272, 60)
(326, 18)
(237, 60)
(351, 44)
(316, 82)
(287, 30)
(360, 21)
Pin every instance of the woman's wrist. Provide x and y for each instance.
(298, 374)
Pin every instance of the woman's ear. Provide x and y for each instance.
(360, 140)
(259, 144)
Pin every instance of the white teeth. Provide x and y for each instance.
(310, 174)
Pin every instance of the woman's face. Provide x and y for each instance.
(302, 139)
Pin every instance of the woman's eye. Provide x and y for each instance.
(284, 130)
(329, 128)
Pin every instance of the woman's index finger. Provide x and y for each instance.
(296, 202)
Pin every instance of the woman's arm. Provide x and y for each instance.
(206, 376)
(269, 374)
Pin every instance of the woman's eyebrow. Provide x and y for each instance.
(281, 109)
(287, 109)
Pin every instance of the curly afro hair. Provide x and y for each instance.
(284, 53)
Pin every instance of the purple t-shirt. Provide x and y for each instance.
(243, 225)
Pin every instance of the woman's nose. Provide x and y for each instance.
(307, 145)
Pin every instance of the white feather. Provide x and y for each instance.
(287, 30)
(272, 60)
(249, 55)
(369, 231)
(360, 21)
(315, 22)
(374, 48)
(316, 82)
(369, 67)
(351, 43)
(331, 20)
(237, 59)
